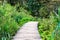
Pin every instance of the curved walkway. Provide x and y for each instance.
(29, 31)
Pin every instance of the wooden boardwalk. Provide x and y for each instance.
(29, 31)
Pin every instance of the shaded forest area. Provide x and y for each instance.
(14, 13)
(36, 6)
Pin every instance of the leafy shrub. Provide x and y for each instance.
(44, 12)
(56, 33)
(8, 26)
(47, 26)
(10, 20)
(33, 6)
(22, 16)
(26, 19)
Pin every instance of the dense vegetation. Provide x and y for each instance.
(11, 20)
(14, 13)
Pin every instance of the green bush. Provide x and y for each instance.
(33, 6)
(56, 33)
(8, 26)
(22, 16)
(10, 20)
(44, 12)
(47, 26)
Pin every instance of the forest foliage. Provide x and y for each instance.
(14, 13)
